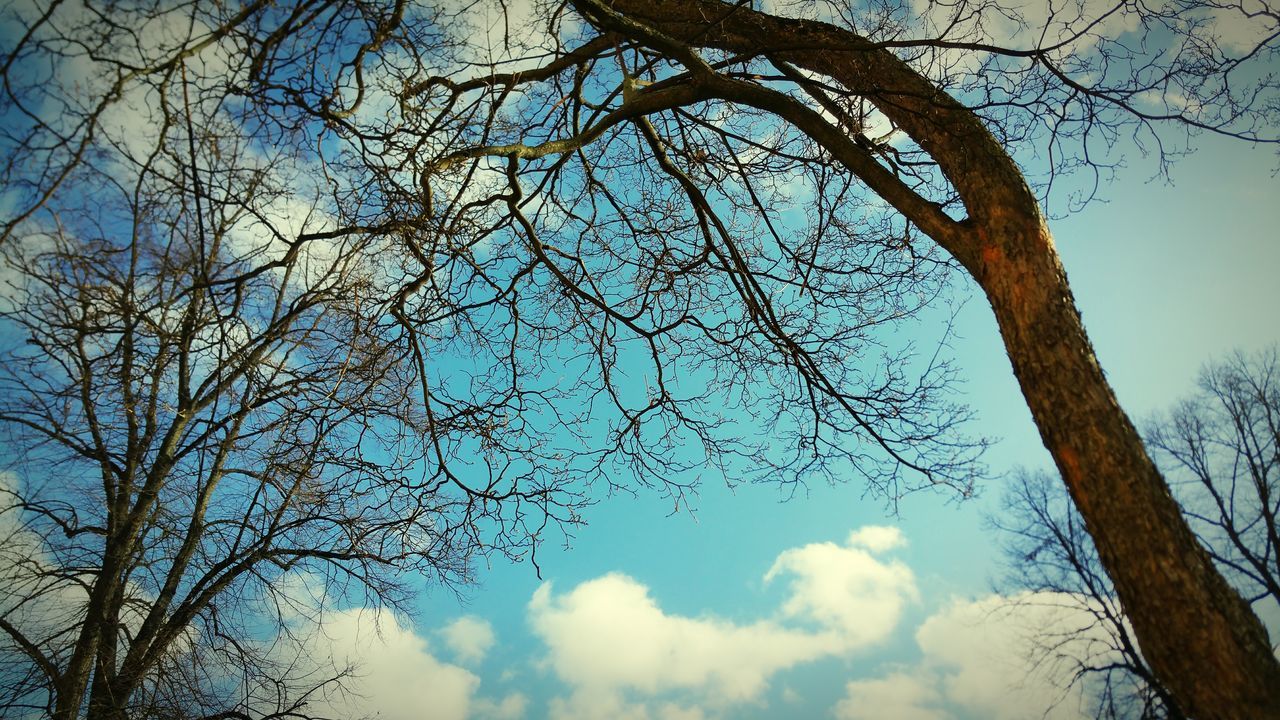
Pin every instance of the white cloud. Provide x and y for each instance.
(134, 118)
(1079, 27)
(985, 652)
(505, 31)
(595, 703)
(511, 707)
(877, 538)
(846, 588)
(592, 703)
(32, 598)
(623, 656)
(469, 638)
(901, 696)
(1028, 23)
(981, 658)
(672, 711)
(396, 677)
(1240, 27)
(609, 633)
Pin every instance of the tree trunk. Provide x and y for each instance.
(1200, 637)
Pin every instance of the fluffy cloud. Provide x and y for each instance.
(1023, 23)
(1239, 27)
(391, 670)
(609, 633)
(623, 656)
(511, 707)
(877, 538)
(395, 677)
(33, 598)
(990, 663)
(899, 695)
(469, 638)
(981, 659)
(846, 589)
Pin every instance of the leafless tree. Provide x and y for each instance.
(1094, 651)
(210, 397)
(1221, 451)
(657, 227)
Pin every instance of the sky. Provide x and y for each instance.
(754, 603)
(828, 604)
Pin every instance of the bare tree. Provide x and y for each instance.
(1219, 449)
(1221, 452)
(191, 425)
(210, 394)
(636, 214)
(1050, 554)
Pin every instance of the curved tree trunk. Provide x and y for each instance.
(1200, 637)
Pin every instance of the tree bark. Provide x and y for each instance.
(1200, 637)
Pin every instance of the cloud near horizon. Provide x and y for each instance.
(621, 655)
(617, 653)
(395, 673)
(980, 659)
(392, 669)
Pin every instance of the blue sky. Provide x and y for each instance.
(643, 613)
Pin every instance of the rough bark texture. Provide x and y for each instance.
(1200, 636)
